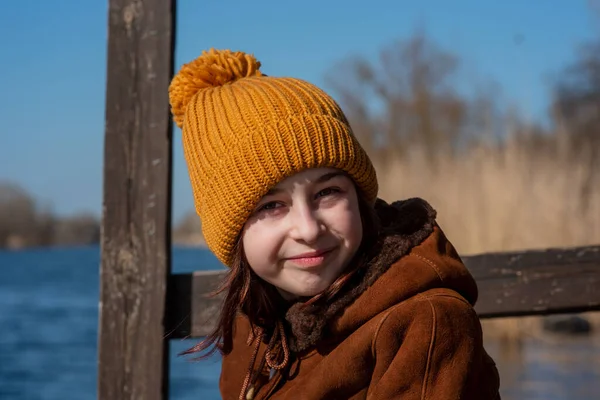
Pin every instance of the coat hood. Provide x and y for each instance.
(411, 255)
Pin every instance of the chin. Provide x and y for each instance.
(308, 292)
(306, 286)
(311, 291)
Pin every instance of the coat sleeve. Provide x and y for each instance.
(431, 349)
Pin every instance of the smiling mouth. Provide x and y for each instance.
(312, 259)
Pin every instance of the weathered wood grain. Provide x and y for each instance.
(191, 312)
(537, 282)
(136, 237)
(510, 284)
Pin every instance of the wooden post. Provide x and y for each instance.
(136, 237)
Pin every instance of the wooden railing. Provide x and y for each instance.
(512, 284)
(142, 304)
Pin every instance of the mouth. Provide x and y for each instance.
(312, 258)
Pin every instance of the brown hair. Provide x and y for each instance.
(261, 302)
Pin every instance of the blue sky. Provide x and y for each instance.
(54, 68)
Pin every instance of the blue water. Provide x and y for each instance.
(48, 327)
(48, 335)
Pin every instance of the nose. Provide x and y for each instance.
(306, 224)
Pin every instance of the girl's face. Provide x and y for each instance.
(304, 232)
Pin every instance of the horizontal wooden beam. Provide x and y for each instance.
(538, 282)
(191, 311)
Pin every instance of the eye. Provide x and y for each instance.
(328, 191)
(269, 206)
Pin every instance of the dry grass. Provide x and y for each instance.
(500, 199)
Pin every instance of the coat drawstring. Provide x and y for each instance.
(256, 339)
(247, 392)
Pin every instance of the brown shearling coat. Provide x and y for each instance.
(404, 329)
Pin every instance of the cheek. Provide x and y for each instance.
(261, 247)
(349, 223)
(355, 229)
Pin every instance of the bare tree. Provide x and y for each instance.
(80, 229)
(188, 230)
(17, 215)
(576, 110)
(23, 222)
(405, 99)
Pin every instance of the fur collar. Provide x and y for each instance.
(403, 225)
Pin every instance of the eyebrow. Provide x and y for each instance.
(329, 176)
(323, 178)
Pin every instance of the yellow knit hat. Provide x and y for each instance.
(244, 132)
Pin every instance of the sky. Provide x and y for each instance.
(54, 71)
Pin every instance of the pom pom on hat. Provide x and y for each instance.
(213, 68)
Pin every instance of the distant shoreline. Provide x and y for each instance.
(181, 245)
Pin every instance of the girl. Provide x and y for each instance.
(332, 293)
